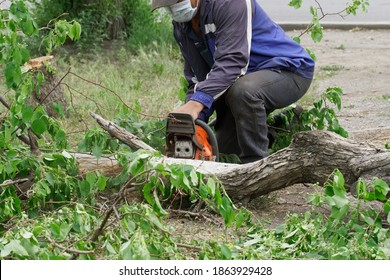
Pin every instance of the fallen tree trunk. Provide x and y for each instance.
(311, 158)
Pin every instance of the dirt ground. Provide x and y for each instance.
(358, 61)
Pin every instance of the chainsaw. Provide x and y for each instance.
(189, 139)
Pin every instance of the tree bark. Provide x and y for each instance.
(311, 158)
(51, 92)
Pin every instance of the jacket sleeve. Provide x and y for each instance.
(233, 29)
(192, 80)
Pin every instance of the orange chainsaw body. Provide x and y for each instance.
(201, 136)
(188, 139)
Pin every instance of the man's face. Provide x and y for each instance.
(183, 10)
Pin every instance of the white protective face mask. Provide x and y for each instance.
(182, 11)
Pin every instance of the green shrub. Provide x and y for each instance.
(108, 20)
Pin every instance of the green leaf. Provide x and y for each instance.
(340, 202)
(338, 185)
(102, 182)
(13, 74)
(91, 178)
(109, 248)
(295, 3)
(129, 225)
(226, 252)
(28, 27)
(154, 220)
(25, 55)
(313, 11)
(386, 206)
(85, 188)
(55, 230)
(27, 113)
(15, 247)
(340, 211)
(240, 218)
(280, 229)
(227, 212)
(382, 187)
(291, 234)
(97, 151)
(211, 186)
(76, 31)
(317, 33)
(126, 251)
(370, 221)
(157, 205)
(50, 179)
(64, 230)
(203, 191)
(194, 177)
(39, 126)
(312, 54)
(146, 191)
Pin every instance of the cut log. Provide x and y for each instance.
(311, 158)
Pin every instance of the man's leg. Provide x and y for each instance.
(241, 126)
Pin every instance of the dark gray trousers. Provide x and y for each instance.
(241, 126)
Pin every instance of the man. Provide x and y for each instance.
(239, 63)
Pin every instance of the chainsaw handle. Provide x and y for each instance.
(212, 138)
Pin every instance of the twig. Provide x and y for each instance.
(4, 101)
(117, 95)
(53, 89)
(120, 224)
(193, 214)
(82, 94)
(196, 248)
(74, 108)
(323, 15)
(13, 182)
(34, 147)
(53, 20)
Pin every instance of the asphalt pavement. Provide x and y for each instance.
(376, 16)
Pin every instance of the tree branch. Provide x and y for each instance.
(69, 250)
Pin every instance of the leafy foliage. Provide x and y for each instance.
(347, 233)
(320, 116)
(102, 20)
(315, 28)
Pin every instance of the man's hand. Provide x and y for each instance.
(191, 107)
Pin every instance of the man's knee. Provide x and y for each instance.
(241, 92)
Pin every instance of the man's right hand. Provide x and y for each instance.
(191, 107)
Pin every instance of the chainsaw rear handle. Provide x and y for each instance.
(212, 138)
